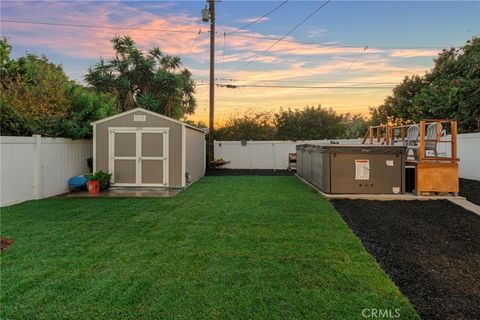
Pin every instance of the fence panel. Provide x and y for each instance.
(62, 159)
(36, 167)
(17, 175)
(469, 154)
(274, 154)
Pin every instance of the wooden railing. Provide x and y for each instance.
(387, 134)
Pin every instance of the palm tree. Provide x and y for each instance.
(154, 81)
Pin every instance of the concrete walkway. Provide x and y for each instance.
(129, 193)
(467, 205)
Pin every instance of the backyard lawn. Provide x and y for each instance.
(227, 247)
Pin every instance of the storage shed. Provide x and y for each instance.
(141, 148)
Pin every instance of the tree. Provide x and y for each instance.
(250, 126)
(450, 90)
(33, 97)
(38, 98)
(86, 106)
(152, 81)
(311, 123)
(355, 126)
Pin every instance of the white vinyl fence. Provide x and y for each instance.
(274, 154)
(262, 154)
(36, 167)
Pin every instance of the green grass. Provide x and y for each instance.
(226, 248)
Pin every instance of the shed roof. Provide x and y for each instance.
(149, 112)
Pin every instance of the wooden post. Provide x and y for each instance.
(422, 141)
(453, 125)
(370, 131)
(438, 130)
(378, 134)
(387, 135)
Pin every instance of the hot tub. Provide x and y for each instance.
(353, 169)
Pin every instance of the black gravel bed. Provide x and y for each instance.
(470, 189)
(248, 172)
(430, 249)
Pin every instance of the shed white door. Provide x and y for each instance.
(138, 156)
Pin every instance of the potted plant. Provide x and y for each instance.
(98, 181)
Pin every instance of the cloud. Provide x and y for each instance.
(315, 33)
(409, 53)
(253, 19)
(95, 42)
(287, 61)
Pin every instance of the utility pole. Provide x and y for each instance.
(211, 125)
(208, 15)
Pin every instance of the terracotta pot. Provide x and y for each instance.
(93, 187)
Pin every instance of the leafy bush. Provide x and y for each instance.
(450, 90)
(85, 106)
(38, 98)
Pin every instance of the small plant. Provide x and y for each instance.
(102, 177)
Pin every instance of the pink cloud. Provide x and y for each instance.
(94, 42)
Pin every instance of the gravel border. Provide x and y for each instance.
(430, 249)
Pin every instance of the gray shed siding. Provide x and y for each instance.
(195, 153)
(175, 142)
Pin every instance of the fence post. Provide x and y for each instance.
(273, 152)
(37, 167)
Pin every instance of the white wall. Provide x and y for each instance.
(36, 167)
(274, 154)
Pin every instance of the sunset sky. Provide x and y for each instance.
(327, 50)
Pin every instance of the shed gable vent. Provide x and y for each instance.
(139, 117)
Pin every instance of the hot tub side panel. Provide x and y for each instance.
(299, 162)
(383, 178)
(307, 166)
(321, 171)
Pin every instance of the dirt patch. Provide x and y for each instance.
(5, 243)
(430, 249)
(470, 189)
(248, 172)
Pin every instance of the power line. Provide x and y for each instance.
(194, 41)
(286, 34)
(333, 45)
(255, 21)
(351, 64)
(308, 87)
(222, 65)
(220, 34)
(232, 86)
(94, 26)
(301, 81)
